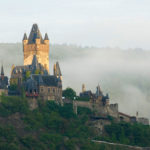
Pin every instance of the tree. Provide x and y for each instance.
(28, 73)
(37, 71)
(69, 93)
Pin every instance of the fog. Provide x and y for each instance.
(124, 74)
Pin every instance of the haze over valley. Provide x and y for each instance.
(124, 74)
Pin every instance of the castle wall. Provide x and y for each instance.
(100, 110)
(124, 117)
(144, 121)
(50, 93)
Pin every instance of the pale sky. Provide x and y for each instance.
(101, 23)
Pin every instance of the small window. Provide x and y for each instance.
(48, 90)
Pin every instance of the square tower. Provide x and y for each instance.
(36, 45)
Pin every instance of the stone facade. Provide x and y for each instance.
(45, 87)
(36, 45)
(143, 120)
(33, 77)
(97, 103)
(19, 74)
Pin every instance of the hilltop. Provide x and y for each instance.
(52, 126)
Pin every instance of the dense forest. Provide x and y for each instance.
(54, 127)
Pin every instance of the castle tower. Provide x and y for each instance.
(36, 45)
(83, 88)
(2, 72)
(98, 91)
(57, 71)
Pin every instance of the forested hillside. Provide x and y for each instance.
(54, 127)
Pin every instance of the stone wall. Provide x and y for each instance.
(100, 110)
(41, 50)
(144, 121)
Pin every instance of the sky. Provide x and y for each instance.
(99, 23)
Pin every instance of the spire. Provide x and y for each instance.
(25, 37)
(83, 88)
(46, 37)
(98, 91)
(34, 62)
(35, 34)
(58, 69)
(2, 71)
(55, 74)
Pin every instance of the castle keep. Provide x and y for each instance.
(36, 45)
(33, 77)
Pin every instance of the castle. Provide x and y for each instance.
(100, 105)
(33, 77)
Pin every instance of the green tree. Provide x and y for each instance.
(37, 71)
(13, 87)
(28, 73)
(69, 93)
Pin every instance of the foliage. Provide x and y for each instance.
(28, 73)
(69, 93)
(13, 87)
(82, 98)
(125, 133)
(54, 127)
(12, 104)
(37, 71)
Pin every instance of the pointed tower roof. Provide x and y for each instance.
(35, 34)
(34, 61)
(58, 69)
(25, 36)
(98, 91)
(54, 69)
(2, 70)
(46, 37)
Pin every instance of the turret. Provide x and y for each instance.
(54, 69)
(83, 88)
(98, 91)
(2, 72)
(46, 39)
(25, 39)
(57, 71)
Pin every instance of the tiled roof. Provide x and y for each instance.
(46, 80)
